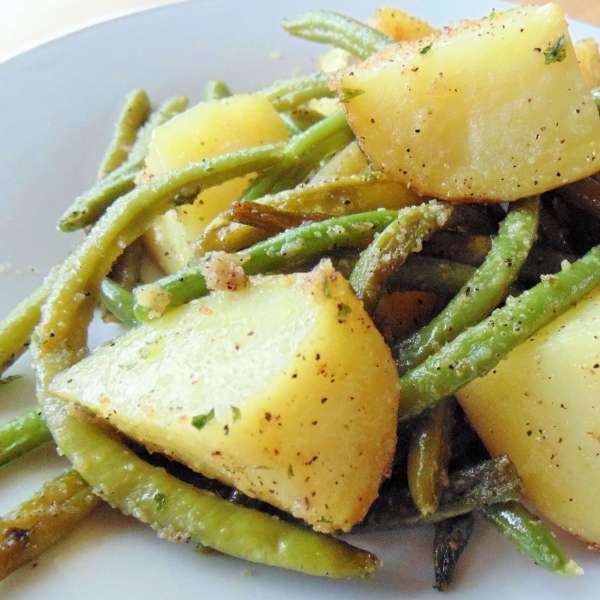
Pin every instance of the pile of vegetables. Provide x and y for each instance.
(339, 285)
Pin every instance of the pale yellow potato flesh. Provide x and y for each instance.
(475, 113)
(206, 130)
(302, 386)
(541, 407)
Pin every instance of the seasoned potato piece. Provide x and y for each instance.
(541, 407)
(206, 130)
(589, 61)
(284, 389)
(495, 109)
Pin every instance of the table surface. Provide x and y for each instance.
(27, 23)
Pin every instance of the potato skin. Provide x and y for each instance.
(298, 391)
(541, 406)
(474, 113)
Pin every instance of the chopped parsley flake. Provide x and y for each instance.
(290, 471)
(10, 378)
(349, 94)
(152, 349)
(343, 310)
(160, 500)
(237, 414)
(201, 421)
(556, 53)
(425, 49)
(493, 14)
(326, 288)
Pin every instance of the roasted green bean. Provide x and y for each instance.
(531, 536)
(22, 434)
(215, 90)
(133, 115)
(119, 301)
(450, 540)
(469, 489)
(288, 94)
(393, 245)
(17, 327)
(428, 456)
(88, 207)
(340, 31)
(483, 292)
(46, 518)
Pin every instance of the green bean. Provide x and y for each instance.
(290, 247)
(479, 219)
(426, 274)
(303, 154)
(483, 292)
(270, 218)
(288, 94)
(46, 518)
(17, 327)
(346, 195)
(127, 269)
(126, 272)
(428, 456)
(472, 249)
(481, 347)
(531, 536)
(22, 434)
(133, 115)
(343, 32)
(103, 460)
(469, 489)
(391, 248)
(449, 542)
(119, 301)
(466, 248)
(585, 194)
(552, 231)
(87, 208)
(215, 90)
(300, 120)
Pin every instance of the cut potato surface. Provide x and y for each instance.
(283, 389)
(495, 109)
(206, 130)
(541, 407)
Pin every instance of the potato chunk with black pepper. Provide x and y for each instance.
(495, 109)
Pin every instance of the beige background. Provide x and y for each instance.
(27, 23)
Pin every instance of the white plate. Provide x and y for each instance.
(57, 106)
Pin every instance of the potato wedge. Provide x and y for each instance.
(283, 389)
(493, 110)
(541, 407)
